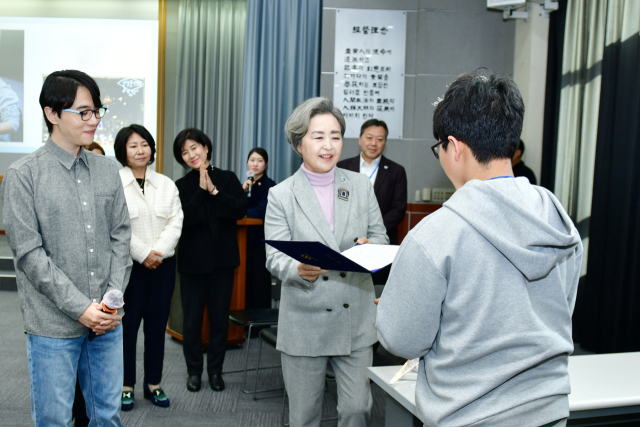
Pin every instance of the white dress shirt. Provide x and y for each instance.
(156, 217)
(371, 170)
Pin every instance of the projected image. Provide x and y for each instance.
(124, 99)
(11, 85)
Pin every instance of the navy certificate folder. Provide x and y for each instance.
(318, 254)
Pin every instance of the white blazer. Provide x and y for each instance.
(156, 216)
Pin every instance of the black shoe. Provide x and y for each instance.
(216, 382)
(193, 383)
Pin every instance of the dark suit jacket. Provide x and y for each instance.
(390, 189)
(209, 232)
(256, 208)
(522, 170)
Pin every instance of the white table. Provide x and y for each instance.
(602, 385)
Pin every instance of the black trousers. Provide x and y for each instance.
(214, 291)
(148, 298)
(79, 409)
(258, 290)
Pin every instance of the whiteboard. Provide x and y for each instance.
(369, 68)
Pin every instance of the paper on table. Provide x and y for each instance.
(406, 368)
(371, 256)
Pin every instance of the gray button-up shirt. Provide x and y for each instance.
(68, 226)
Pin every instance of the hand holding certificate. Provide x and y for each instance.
(367, 258)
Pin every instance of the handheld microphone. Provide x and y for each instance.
(111, 302)
(250, 175)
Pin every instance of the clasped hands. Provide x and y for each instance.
(153, 260)
(310, 272)
(205, 181)
(97, 320)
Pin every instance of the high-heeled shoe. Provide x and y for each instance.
(156, 396)
(126, 401)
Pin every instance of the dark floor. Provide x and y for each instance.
(228, 408)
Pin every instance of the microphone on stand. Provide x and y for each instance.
(111, 302)
(250, 175)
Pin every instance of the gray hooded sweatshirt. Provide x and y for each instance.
(483, 291)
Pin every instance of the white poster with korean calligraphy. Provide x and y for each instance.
(369, 68)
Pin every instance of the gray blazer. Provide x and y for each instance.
(334, 315)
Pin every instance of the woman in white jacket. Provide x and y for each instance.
(156, 224)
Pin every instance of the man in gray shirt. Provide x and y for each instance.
(68, 226)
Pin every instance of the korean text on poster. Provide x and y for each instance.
(369, 68)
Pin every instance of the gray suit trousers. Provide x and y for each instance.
(304, 379)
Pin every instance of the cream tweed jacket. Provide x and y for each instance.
(156, 217)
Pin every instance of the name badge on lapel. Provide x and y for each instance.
(343, 194)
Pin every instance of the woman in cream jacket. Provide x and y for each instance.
(156, 224)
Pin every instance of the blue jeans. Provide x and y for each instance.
(53, 366)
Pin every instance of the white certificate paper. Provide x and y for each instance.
(371, 256)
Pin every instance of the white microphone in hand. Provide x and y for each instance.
(250, 175)
(111, 302)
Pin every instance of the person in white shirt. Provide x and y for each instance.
(156, 224)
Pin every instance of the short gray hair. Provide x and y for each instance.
(298, 122)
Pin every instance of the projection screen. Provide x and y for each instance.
(121, 55)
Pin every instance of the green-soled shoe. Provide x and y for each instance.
(156, 396)
(126, 401)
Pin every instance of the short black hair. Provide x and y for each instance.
(485, 111)
(60, 88)
(260, 151)
(521, 147)
(374, 122)
(195, 135)
(120, 145)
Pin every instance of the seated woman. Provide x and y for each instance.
(258, 284)
(212, 200)
(325, 316)
(156, 223)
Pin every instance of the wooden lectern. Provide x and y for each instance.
(236, 334)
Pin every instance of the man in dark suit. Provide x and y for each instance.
(519, 168)
(389, 179)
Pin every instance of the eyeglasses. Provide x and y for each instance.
(436, 149)
(86, 114)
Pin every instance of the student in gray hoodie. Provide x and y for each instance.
(483, 290)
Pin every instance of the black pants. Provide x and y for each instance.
(214, 291)
(258, 290)
(79, 410)
(148, 298)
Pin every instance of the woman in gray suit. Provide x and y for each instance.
(325, 316)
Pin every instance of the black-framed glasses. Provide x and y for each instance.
(436, 149)
(85, 115)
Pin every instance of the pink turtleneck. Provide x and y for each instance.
(322, 184)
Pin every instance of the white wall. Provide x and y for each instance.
(530, 74)
(444, 39)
